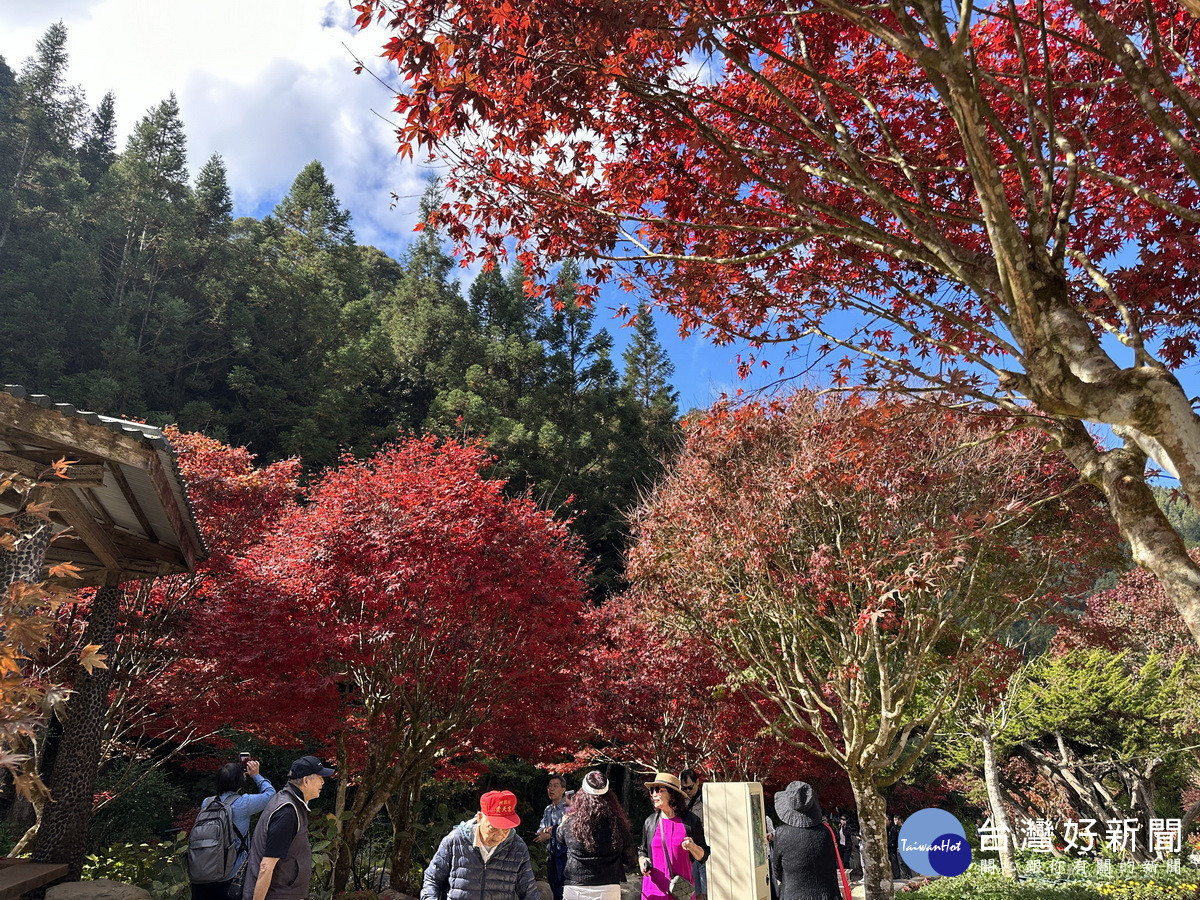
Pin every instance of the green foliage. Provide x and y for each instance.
(140, 813)
(1095, 698)
(8, 837)
(160, 868)
(647, 382)
(994, 887)
(1183, 516)
(323, 833)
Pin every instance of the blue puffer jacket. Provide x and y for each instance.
(458, 872)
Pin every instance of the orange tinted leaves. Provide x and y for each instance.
(91, 658)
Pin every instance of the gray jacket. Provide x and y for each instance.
(458, 872)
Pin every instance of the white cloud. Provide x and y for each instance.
(268, 84)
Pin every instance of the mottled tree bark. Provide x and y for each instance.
(72, 780)
(872, 828)
(27, 560)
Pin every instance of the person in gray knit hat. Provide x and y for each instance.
(805, 861)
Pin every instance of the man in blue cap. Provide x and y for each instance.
(280, 863)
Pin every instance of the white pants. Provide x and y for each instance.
(592, 892)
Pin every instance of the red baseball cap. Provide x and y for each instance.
(500, 809)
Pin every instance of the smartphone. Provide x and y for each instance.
(245, 757)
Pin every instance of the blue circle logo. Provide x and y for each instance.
(932, 842)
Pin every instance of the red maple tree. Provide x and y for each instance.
(659, 700)
(855, 565)
(408, 614)
(998, 199)
(1134, 615)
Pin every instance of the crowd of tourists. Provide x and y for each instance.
(590, 843)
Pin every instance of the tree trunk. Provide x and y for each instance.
(343, 765)
(368, 801)
(1189, 817)
(1084, 786)
(991, 778)
(27, 560)
(62, 837)
(1120, 474)
(872, 825)
(16, 184)
(625, 785)
(343, 859)
(401, 809)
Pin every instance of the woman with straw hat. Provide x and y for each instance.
(672, 838)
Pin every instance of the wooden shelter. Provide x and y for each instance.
(123, 513)
(120, 514)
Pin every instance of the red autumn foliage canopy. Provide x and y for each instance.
(856, 564)
(1134, 615)
(768, 163)
(661, 700)
(156, 687)
(998, 199)
(407, 600)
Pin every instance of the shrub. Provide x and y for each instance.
(160, 868)
(997, 887)
(1159, 886)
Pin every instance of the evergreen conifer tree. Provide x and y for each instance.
(289, 326)
(98, 151)
(647, 383)
(214, 202)
(45, 269)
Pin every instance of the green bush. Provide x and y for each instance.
(1183, 885)
(160, 868)
(997, 887)
(142, 813)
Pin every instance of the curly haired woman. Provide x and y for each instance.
(599, 843)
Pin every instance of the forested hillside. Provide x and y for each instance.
(128, 288)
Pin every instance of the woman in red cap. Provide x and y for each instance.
(671, 839)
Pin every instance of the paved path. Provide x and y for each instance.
(857, 891)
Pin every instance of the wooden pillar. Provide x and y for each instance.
(62, 837)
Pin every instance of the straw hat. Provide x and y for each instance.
(667, 780)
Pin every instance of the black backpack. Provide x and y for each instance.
(213, 844)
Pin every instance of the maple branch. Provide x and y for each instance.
(1145, 82)
(1188, 214)
(1131, 336)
